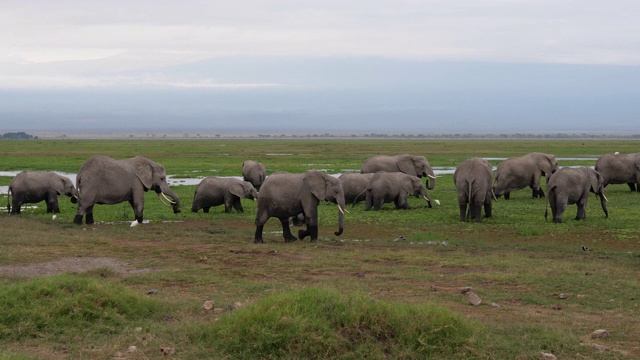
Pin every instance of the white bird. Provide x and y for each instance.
(134, 223)
(54, 217)
(437, 201)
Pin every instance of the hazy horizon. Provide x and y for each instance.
(493, 66)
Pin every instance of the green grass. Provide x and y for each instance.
(358, 295)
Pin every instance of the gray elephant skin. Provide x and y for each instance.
(30, 187)
(254, 172)
(283, 195)
(519, 172)
(569, 186)
(473, 180)
(409, 164)
(393, 187)
(215, 191)
(104, 180)
(618, 168)
(354, 186)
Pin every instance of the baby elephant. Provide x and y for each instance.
(393, 186)
(569, 186)
(214, 191)
(36, 186)
(473, 180)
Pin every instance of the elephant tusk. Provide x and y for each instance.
(163, 202)
(604, 197)
(169, 200)
(433, 177)
(340, 209)
(426, 198)
(494, 195)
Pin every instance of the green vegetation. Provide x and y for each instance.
(17, 136)
(364, 294)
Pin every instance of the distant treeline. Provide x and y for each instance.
(18, 136)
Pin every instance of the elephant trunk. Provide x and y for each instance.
(431, 182)
(170, 196)
(603, 202)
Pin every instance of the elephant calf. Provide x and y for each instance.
(254, 172)
(35, 186)
(570, 186)
(214, 191)
(473, 180)
(393, 187)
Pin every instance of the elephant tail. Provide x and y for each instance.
(9, 200)
(470, 197)
(546, 207)
(356, 199)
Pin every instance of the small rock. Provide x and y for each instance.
(218, 310)
(153, 291)
(138, 329)
(474, 299)
(600, 334)
(237, 305)
(167, 351)
(557, 307)
(360, 276)
(273, 251)
(208, 305)
(547, 356)
(600, 347)
(133, 348)
(399, 238)
(433, 288)
(495, 305)
(563, 296)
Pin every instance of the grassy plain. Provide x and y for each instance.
(518, 263)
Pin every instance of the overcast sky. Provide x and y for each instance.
(300, 64)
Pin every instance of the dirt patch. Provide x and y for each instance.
(70, 265)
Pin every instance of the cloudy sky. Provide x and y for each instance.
(353, 66)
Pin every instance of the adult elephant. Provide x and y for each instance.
(214, 191)
(30, 187)
(570, 186)
(473, 179)
(283, 195)
(409, 164)
(354, 186)
(393, 187)
(254, 172)
(104, 180)
(519, 172)
(618, 168)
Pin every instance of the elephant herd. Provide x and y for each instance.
(382, 179)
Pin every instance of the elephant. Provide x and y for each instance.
(214, 191)
(408, 164)
(393, 186)
(569, 186)
(354, 186)
(618, 168)
(36, 186)
(285, 195)
(254, 172)
(519, 172)
(473, 180)
(104, 180)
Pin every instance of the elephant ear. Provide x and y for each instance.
(316, 184)
(237, 189)
(143, 169)
(545, 163)
(595, 179)
(57, 184)
(406, 165)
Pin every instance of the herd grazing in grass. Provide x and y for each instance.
(286, 196)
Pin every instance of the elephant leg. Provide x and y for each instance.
(541, 193)
(507, 195)
(488, 208)
(311, 230)
(368, 202)
(206, 209)
(238, 205)
(378, 202)
(632, 186)
(258, 235)
(138, 209)
(303, 233)
(476, 212)
(15, 210)
(463, 210)
(286, 230)
(561, 206)
(581, 214)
